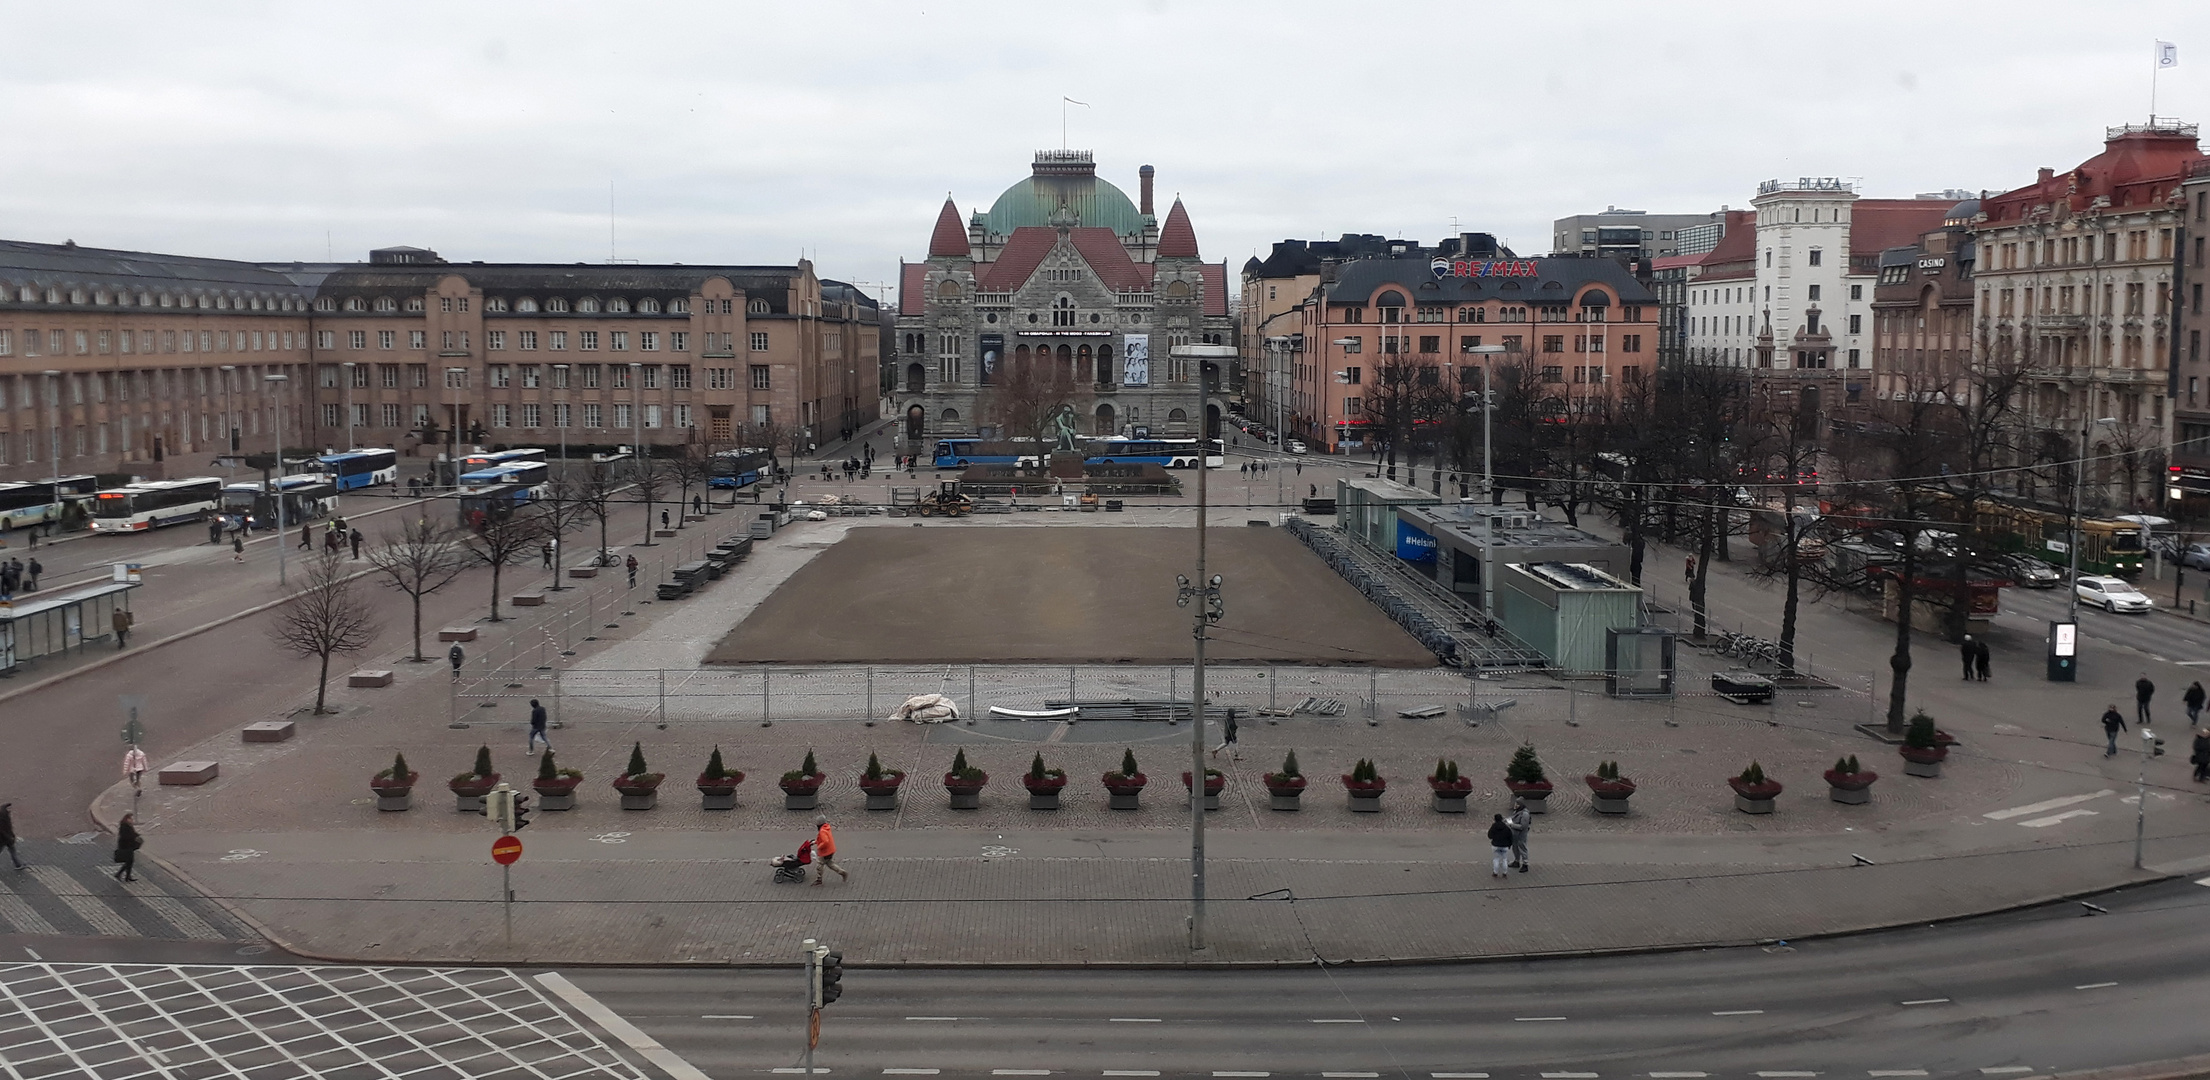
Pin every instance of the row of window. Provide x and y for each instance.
(535, 376)
(532, 415)
(1507, 313)
(2075, 250)
(100, 297)
(105, 342)
(93, 439)
(159, 384)
(528, 305)
(2060, 300)
(527, 340)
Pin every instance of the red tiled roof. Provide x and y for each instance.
(1671, 262)
(1176, 239)
(1875, 225)
(2136, 168)
(910, 284)
(1216, 285)
(950, 237)
(1026, 248)
(1022, 253)
(1103, 251)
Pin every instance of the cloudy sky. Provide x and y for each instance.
(752, 132)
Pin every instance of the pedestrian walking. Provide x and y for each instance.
(134, 768)
(1315, 490)
(1966, 650)
(356, 537)
(35, 569)
(455, 655)
(121, 621)
(333, 540)
(544, 551)
(2143, 690)
(824, 853)
(1500, 846)
(631, 563)
(1688, 574)
(2113, 723)
(1979, 657)
(307, 537)
(127, 843)
(698, 504)
(1300, 468)
(237, 548)
(1521, 822)
(663, 519)
(7, 833)
(2194, 699)
(215, 531)
(1227, 739)
(2201, 757)
(537, 728)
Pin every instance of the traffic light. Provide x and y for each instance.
(520, 813)
(832, 978)
(498, 806)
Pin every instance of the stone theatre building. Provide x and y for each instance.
(1065, 284)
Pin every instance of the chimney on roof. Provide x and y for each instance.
(2047, 174)
(1143, 189)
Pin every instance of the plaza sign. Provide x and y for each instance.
(1485, 268)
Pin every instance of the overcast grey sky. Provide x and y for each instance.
(757, 132)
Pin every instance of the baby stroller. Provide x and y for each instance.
(791, 869)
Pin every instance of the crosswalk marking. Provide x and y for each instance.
(186, 921)
(91, 909)
(2044, 806)
(19, 915)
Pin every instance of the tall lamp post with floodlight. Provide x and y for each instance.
(560, 487)
(53, 433)
(279, 382)
(1343, 377)
(453, 377)
(1204, 596)
(230, 424)
(1488, 477)
(349, 365)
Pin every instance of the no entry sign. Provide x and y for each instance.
(506, 850)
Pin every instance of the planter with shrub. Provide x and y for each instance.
(965, 783)
(1847, 783)
(639, 785)
(718, 784)
(470, 788)
(802, 786)
(1125, 786)
(1754, 792)
(1608, 791)
(1365, 785)
(1215, 782)
(880, 784)
(1924, 748)
(394, 787)
(1043, 784)
(1449, 788)
(1285, 789)
(1524, 776)
(555, 786)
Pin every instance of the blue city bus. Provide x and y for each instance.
(27, 504)
(738, 468)
(361, 468)
(495, 502)
(960, 453)
(306, 498)
(471, 462)
(528, 475)
(1169, 453)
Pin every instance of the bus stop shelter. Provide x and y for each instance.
(54, 624)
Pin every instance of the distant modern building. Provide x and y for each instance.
(1064, 287)
(1631, 234)
(159, 355)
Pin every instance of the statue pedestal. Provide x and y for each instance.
(1066, 465)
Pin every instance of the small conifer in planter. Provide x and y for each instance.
(1289, 781)
(1847, 782)
(1608, 789)
(1754, 792)
(478, 781)
(717, 785)
(638, 784)
(1449, 787)
(1924, 747)
(1125, 784)
(1525, 777)
(965, 783)
(555, 786)
(878, 780)
(394, 787)
(1043, 783)
(802, 786)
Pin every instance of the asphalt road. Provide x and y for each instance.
(2160, 634)
(2030, 992)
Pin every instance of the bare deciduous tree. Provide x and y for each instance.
(324, 615)
(504, 539)
(651, 480)
(421, 559)
(1027, 392)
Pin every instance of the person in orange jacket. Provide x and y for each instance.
(824, 853)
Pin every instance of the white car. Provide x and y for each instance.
(1296, 446)
(2112, 594)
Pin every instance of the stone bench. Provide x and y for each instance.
(583, 571)
(269, 731)
(368, 679)
(664, 533)
(529, 599)
(694, 517)
(457, 633)
(187, 773)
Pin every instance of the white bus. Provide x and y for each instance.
(27, 504)
(362, 468)
(155, 503)
(530, 475)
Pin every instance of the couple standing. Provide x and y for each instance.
(1508, 840)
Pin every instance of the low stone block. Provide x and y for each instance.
(187, 773)
(368, 678)
(457, 633)
(663, 533)
(583, 571)
(529, 599)
(268, 731)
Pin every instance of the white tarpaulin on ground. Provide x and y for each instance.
(926, 709)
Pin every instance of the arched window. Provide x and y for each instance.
(1082, 367)
(945, 290)
(526, 304)
(1178, 290)
(587, 305)
(759, 307)
(950, 416)
(494, 303)
(618, 305)
(385, 303)
(1104, 365)
(679, 306)
(557, 304)
(416, 304)
(1065, 370)
(1062, 311)
(1177, 420)
(322, 303)
(355, 303)
(916, 378)
(1106, 420)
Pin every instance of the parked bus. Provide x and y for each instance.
(738, 468)
(155, 503)
(493, 502)
(307, 497)
(960, 453)
(362, 468)
(532, 475)
(1170, 453)
(39, 501)
(472, 462)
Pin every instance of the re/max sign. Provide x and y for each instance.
(1485, 268)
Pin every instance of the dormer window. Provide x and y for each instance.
(558, 304)
(759, 307)
(386, 304)
(679, 306)
(526, 305)
(648, 306)
(617, 305)
(415, 304)
(355, 303)
(322, 303)
(494, 303)
(587, 306)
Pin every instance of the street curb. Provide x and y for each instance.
(2186, 1068)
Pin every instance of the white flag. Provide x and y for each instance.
(2167, 54)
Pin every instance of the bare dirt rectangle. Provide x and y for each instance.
(1060, 595)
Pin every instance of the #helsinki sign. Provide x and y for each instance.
(1484, 268)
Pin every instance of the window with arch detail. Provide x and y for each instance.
(557, 304)
(355, 303)
(648, 306)
(526, 304)
(385, 303)
(759, 307)
(617, 305)
(1062, 311)
(322, 303)
(416, 304)
(587, 305)
(495, 303)
(679, 306)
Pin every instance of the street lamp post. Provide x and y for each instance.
(2079, 477)
(53, 433)
(230, 425)
(1488, 479)
(2141, 795)
(1206, 593)
(560, 496)
(453, 375)
(278, 380)
(347, 393)
(1340, 343)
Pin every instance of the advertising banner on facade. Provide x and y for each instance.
(993, 347)
(1414, 545)
(1135, 360)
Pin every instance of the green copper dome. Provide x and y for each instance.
(1069, 178)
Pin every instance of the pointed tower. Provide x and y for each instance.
(1176, 239)
(950, 238)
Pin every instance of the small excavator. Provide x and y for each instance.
(947, 500)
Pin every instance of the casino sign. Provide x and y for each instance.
(1484, 268)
